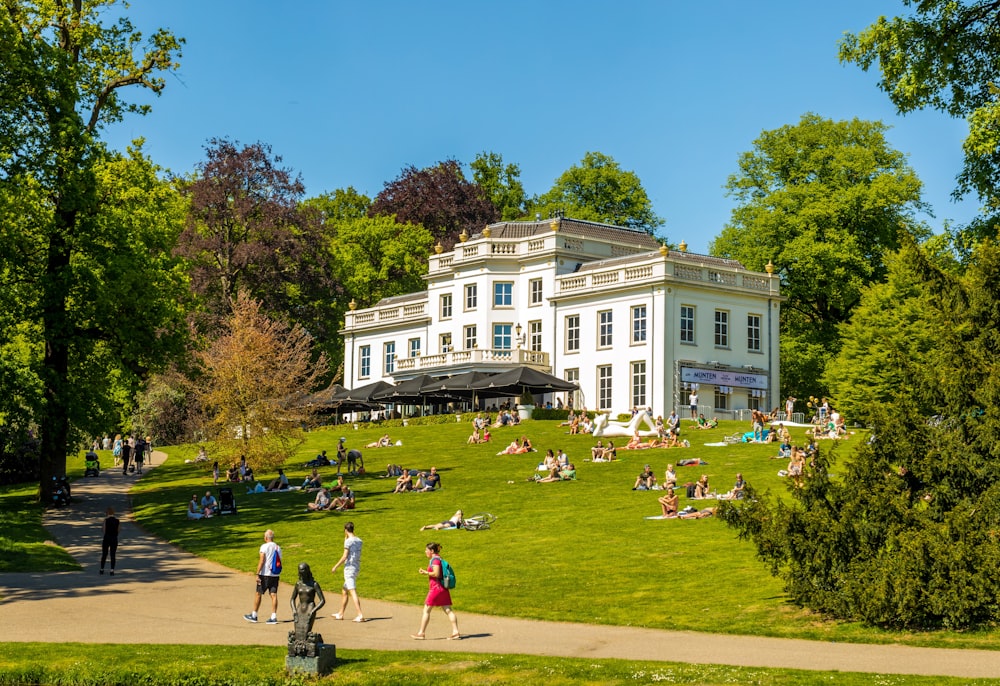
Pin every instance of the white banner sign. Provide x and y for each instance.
(723, 377)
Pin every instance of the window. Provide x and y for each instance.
(503, 294)
(445, 342)
(753, 333)
(389, 356)
(753, 400)
(604, 387)
(365, 362)
(414, 345)
(639, 324)
(687, 324)
(721, 400)
(501, 337)
(575, 397)
(721, 329)
(604, 329)
(535, 290)
(446, 306)
(535, 337)
(470, 337)
(638, 384)
(573, 333)
(471, 296)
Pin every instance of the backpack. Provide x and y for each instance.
(447, 574)
(276, 563)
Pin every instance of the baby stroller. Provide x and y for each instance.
(227, 503)
(91, 464)
(60, 491)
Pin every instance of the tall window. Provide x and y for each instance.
(535, 336)
(721, 400)
(572, 333)
(535, 291)
(687, 324)
(604, 331)
(446, 306)
(753, 400)
(503, 294)
(638, 384)
(445, 342)
(604, 387)
(576, 397)
(501, 337)
(390, 357)
(471, 296)
(721, 329)
(365, 362)
(639, 324)
(753, 333)
(415, 347)
(470, 337)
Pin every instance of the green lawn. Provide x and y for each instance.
(167, 665)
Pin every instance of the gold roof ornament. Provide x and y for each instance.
(463, 236)
(439, 248)
(664, 249)
(554, 224)
(769, 268)
(353, 305)
(486, 231)
(683, 247)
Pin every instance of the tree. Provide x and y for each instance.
(340, 205)
(254, 374)
(945, 56)
(64, 77)
(501, 183)
(600, 190)
(439, 198)
(247, 230)
(907, 537)
(825, 201)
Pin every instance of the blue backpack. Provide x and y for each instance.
(447, 574)
(276, 563)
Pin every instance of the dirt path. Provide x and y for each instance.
(164, 595)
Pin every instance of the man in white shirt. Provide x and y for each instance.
(268, 575)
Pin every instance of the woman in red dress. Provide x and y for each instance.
(437, 595)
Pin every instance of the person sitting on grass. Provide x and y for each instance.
(738, 489)
(321, 503)
(597, 451)
(383, 442)
(670, 477)
(645, 481)
(567, 473)
(454, 523)
(279, 483)
(194, 510)
(209, 505)
(701, 422)
(404, 482)
(574, 424)
(486, 435)
(474, 438)
(233, 473)
(668, 504)
(344, 502)
(312, 482)
(609, 454)
(339, 486)
(701, 488)
(636, 442)
(428, 482)
(525, 446)
(550, 462)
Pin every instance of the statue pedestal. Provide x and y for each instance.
(320, 665)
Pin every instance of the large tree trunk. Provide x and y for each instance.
(54, 429)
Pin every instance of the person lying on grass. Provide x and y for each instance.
(697, 514)
(454, 523)
(567, 473)
(384, 442)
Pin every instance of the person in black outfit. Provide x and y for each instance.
(139, 455)
(126, 455)
(110, 542)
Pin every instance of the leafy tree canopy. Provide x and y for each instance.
(907, 537)
(501, 183)
(825, 201)
(340, 205)
(598, 189)
(439, 198)
(946, 56)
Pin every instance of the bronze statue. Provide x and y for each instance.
(302, 641)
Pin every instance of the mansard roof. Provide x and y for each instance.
(575, 227)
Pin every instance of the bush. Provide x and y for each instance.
(19, 456)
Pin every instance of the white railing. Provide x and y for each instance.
(466, 357)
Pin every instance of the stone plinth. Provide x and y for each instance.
(320, 665)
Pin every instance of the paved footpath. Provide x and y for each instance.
(164, 595)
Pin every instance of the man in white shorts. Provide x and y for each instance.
(351, 560)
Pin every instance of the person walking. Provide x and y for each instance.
(437, 594)
(268, 575)
(139, 452)
(126, 456)
(109, 543)
(351, 560)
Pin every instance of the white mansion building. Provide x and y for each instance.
(634, 324)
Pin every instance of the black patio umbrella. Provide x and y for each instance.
(517, 381)
(409, 391)
(362, 394)
(457, 386)
(324, 399)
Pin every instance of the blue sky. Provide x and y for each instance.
(348, 93)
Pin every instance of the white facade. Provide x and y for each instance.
(604, 306)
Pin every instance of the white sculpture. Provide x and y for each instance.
(603, 426)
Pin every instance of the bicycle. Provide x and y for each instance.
(478, 522)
